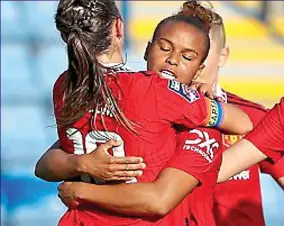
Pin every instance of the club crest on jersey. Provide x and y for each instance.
(229, 140)
(183, 90)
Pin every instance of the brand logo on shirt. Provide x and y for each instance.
(244, 175)
(203, 145)
(183, 90)
(229, 140)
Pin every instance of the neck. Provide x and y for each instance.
(110, 58)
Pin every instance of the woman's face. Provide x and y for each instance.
(176, 52)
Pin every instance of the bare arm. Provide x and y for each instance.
(237, 158)
(57, 165)
(140, 199)
(47, 168)
(181, 175)
(281, 182)
(235, 121)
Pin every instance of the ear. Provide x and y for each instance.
(198, 73)
(118, 28)
(225, 52)
(149, 46)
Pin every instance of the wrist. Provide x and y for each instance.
(82, 191)
(76, 165)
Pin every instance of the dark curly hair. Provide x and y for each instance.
(194, 14)
(85, 26)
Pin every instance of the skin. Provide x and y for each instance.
(180, 54)
(172, 185)
(69, 192)
(178, 58)
(239, 157)
(217, 58)
(110, 168)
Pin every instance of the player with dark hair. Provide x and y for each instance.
(197, 158)
(114, 102)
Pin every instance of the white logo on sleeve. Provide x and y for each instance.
(204, 145)
(244, 175)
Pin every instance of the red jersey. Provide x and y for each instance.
(199, 153)
(154, 104)
(238, 201)
(276, 170)
(268, 136)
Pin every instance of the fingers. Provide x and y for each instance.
(194, 86)
(62, 185)
(131, 173)
(108, 145)
(123, 179)
(123, 175)
(126, 160)
(126, 167)
(206, 91)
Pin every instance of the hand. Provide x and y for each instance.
(100, 164)
(67, 193)
(206, 90)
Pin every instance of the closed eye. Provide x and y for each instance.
(164, 49)
(188, 58)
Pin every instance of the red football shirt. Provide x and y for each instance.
(154, 104)
(238, 201)
(276, 170)
(199, 153)
(268, 136)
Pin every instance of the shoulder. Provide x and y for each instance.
(59, 82)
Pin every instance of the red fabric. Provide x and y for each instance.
(268, 136)
(152, 103)
(199, 153)
(276, 170)
(238, 201)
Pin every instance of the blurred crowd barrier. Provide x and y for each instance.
(33, 55)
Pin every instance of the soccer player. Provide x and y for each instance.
(237, 201)
(197, 159)
(236, 194)
(86, 89)
(265, 141)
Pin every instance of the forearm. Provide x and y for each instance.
(237, 158)
(57, 165)
(142, 199)
(128, 199)
(235, 121)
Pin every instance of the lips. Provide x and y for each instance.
(167, 74)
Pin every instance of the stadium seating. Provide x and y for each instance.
(32, 57)
(11, 19)
(16, 76)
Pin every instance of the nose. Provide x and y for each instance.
(172, 59)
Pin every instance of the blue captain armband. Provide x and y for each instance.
(215, 114)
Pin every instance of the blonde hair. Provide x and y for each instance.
(217, 25)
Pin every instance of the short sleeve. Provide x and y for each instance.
(198, 153)
(268, 136)
(179, 104)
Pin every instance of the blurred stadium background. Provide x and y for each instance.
(32, 56)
